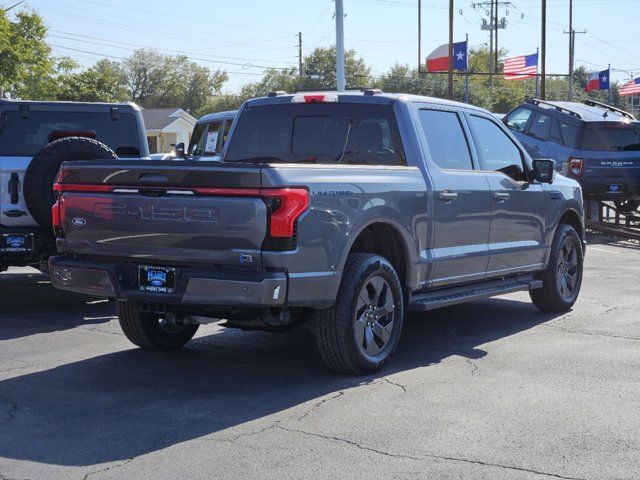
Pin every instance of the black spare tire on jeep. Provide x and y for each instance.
(41, 173)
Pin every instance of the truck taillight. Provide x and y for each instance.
(56, 219)
(575, 166)
(287, 206)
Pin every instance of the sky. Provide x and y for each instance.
(244, 37)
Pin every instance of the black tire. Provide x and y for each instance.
(146, 330)
(553, 297)
(627, 206)
(42, 171)
(336, 327)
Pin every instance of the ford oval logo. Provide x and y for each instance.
(78, 221)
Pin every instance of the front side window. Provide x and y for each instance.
(446, 140)
(540, 126)
(518, 119)
(317, 133)
(496, 151)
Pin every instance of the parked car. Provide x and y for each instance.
(209, 135)
(35, 137)
(336, 210)
(594, 143)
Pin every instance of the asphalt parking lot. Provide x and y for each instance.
(486, 390)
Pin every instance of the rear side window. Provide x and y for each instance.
(540, 126)
(25, 136)
(612, 137)
(569, 134)
(496, 151)
(317, 133)
(446, 140)
(518, 119)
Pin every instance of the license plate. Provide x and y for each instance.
(16, 243)
(157, 279)
(615, 188)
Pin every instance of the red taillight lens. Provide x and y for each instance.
(56, 219)
(291, 203)
(575, 166)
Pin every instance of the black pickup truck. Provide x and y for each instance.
(341, 211)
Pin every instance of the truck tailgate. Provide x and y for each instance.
(172, 212)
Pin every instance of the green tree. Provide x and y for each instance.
(103, 82)
(156, 80)
(319, 69)
(24, 54)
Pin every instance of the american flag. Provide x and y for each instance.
(630, 88)
(520, 68)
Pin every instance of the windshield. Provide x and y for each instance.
(616, 137)
(25, 136)
(317, 133)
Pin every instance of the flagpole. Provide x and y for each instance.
(537, 77)
(466, 77)
(609, 83)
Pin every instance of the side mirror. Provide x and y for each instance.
(180, 150)
(543, 170)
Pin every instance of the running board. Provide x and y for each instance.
(451, 296)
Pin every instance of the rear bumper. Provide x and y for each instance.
(40, 246)
(597, 189)
(194, 286)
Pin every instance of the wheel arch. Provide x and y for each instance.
(383, 237)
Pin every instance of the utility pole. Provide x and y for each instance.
(340, 78)
(300, 80)
(572, 48)
(543, 63)
(492, 23)
(495, 50)
(419, 35)
(450, 72)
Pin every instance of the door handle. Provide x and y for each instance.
(501, 196)
(448, 196)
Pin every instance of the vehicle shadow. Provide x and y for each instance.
(29, 304)
(116, 406)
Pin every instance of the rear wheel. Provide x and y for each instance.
(360, 332)
(153, 331)
(563, 277)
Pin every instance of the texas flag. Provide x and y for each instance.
(438, 60)
(598, 81)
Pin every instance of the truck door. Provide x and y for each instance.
(518, 207)
(462, 201)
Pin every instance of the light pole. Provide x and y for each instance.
(340, 79)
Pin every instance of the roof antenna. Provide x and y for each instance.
(605, 114)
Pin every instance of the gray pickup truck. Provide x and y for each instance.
(341, 211)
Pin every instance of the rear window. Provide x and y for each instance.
(25, 136)
(616, 137)
(317, 133)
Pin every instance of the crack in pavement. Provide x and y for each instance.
(395, 384)
(593, 334)
(474, 367)
(319, 404)
(126, 461)
(423, 456)
(13, 407)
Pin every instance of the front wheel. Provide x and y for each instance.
(153, 331)
(360, 332)
(562, 279)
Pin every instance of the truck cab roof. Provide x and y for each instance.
(369, 96)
